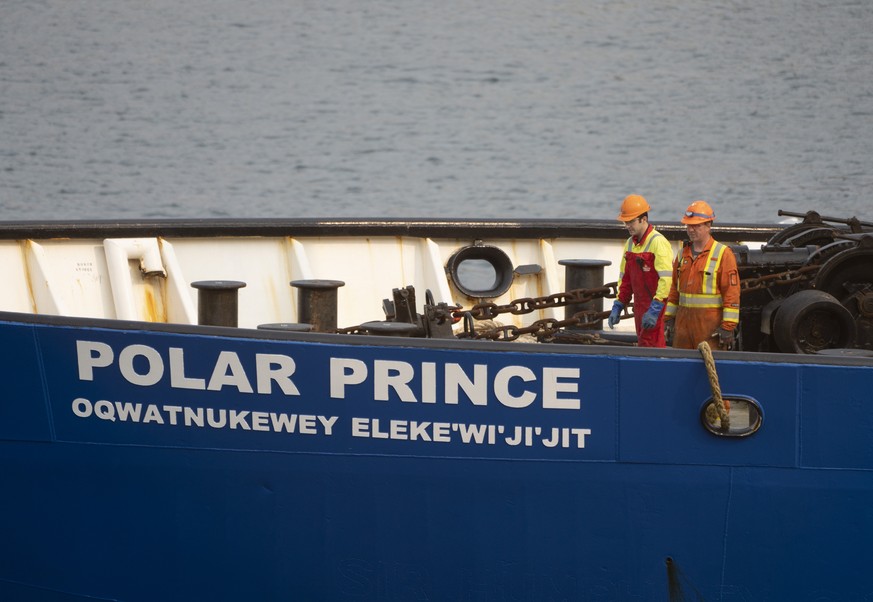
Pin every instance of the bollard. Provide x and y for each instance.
(388, 328)
(584, 273)
(286, 326)
(317, 303)
(217, 302)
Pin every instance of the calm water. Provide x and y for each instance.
(539, 108)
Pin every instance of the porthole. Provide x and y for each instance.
(480, 271)
(744, 417)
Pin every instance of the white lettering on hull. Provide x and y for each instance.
(516, 387)
(472, 434)
(512, 386)
(145, 366)
(215, 418)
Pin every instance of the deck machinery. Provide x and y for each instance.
(809, 288)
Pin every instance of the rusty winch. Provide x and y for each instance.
(810, 287)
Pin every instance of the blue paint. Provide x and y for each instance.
(136, 510)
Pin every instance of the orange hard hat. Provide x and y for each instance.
(633, 206)
(698, 212)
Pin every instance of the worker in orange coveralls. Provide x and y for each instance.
(704, 300)
(644, 273)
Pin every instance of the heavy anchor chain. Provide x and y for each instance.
(487, 311)
(801, 274)
(544, 328)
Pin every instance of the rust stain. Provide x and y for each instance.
(150, 308)
(27, 272)
(164, 298)
(154, 302)
(155, 307)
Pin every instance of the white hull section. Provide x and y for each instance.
(149, 279)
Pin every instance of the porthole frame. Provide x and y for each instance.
(499, 261)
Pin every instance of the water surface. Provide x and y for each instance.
(390, 108)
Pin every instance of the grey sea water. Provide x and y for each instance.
(413, 108)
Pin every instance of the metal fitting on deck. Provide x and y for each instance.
(317, 303)
(584, 274)
(217, 302)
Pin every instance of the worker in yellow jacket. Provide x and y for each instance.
(644, 273)
(704, 300)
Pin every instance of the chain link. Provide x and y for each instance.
(780, 279)
(541, 329)
(526, 305)
(545, 328)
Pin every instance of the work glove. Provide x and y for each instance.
(650, 318)
(725, 337)
(615, 314)
(669, 329)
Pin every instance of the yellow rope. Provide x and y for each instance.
(709, 361)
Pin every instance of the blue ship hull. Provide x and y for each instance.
(155, 462)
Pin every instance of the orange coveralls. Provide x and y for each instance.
(705, 294)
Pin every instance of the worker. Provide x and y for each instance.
(704, 301)
(644, 273)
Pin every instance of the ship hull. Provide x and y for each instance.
(560, 473)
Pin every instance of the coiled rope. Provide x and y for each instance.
(720, 406)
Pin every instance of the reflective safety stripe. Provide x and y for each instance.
(710, 284)
(672, 308)
(649, 242)
(629, 247)
(665, 273)
(730, 314)
(700, 301)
